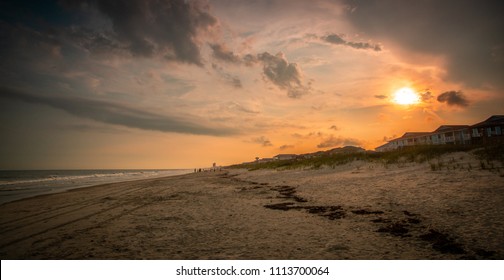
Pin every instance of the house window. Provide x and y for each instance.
(489, 131)
(475, 132)
(498, 130)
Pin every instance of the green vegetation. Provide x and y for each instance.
(417, 154)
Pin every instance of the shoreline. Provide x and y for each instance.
(355, 211)
(83, 184)
(88, 186)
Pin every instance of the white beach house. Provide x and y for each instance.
(488, 131)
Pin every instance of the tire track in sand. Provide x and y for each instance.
(87, 203)
(75, 218)
(70, 204)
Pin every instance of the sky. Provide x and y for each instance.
(92, 84)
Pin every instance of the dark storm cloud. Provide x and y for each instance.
(21, 44)
(337, 40)
(95, 42)
(150, 27)
(466, 33)
(119, 114)
(333, 141)
(285, 75)
(453, 98)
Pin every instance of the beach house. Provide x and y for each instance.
(485, 132)
(450, 134)
(408, 139)
(488, 131)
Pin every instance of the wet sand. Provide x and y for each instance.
(357, 211)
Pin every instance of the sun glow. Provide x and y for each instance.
(406, 96)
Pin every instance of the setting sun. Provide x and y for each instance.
(406, 96)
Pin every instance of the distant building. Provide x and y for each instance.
(265, 160)
(284, 156)
(312, 155)
(488, 131)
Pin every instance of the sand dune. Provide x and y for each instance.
(360, 210)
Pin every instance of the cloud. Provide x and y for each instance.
(221, 52)
(96, 42)
(21, 45)
(334, 39)
(249, 59)
(230, 79)
(283, 74)
(148, 28)
(337, 40)
(265, 142)
(309, 135)
(380, 96)
(239, 107)
(466, 34)
(86, 128)
(338, 141)
(236, 82)
(453, 98)
(276, 69)
(119, 114)
(426, 96)
(285, 147)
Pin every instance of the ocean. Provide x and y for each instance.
(19, 184)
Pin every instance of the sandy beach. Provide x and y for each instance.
(361, 210)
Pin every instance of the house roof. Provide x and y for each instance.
(384, 145)
(450, 128)
(413, 134)
(493, 120)
(408, 135)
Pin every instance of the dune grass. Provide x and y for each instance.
(491, 153)
(419, 154)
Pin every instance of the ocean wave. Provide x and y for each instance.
(21, 184)
(54, 178)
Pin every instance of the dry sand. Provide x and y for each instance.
(357, 211)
